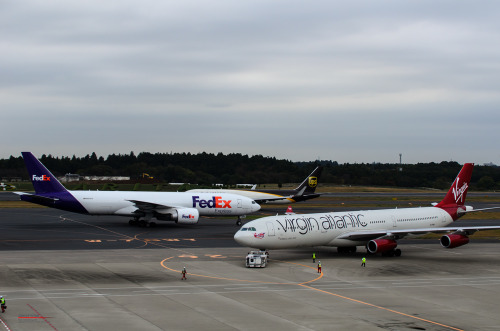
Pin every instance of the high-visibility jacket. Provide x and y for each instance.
(314, 255)
(363, 260)
(319, 265)
(2, 301)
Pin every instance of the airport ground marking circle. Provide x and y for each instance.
(163, 264)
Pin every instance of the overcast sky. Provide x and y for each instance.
(351, 81)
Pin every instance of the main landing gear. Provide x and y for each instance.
(392, 252)
(346, 250)
(141, 223)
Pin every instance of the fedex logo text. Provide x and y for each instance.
(188, 216)
(41, 178)
(215, 202)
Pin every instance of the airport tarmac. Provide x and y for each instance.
(428, 288)
(64, 271)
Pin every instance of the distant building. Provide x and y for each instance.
(113, 178)
(75, 178)
(70, 178)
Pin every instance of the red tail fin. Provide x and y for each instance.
(458, 190)
(289, 211)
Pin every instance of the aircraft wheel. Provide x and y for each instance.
(238, 223)
(397, 252)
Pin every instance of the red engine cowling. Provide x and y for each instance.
(453, 240)
(381, 245)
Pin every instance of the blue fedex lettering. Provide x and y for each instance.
(216, 202)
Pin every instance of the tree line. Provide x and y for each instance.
(231, 169)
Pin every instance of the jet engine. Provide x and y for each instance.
(179, 215)
(381, 245)
(453, 240)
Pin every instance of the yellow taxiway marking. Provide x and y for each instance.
(380, 307)
(304, 284)
(164, 265)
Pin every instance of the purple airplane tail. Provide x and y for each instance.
(48, 190)
(43, 180)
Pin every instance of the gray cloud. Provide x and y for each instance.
(353, 82)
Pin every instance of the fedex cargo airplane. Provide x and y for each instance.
(378, 230)
(305, 191)
(180, 207)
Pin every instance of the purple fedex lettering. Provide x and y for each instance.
(215, 202)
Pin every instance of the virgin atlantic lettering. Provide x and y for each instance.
(303, 225)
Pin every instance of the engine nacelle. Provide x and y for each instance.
(381, 245)
(187, 216)
(179, 215)
(453, 240)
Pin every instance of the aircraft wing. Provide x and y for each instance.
(149, 206)
(398, 234)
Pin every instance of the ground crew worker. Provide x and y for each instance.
(363, 262)
(184, 272)
(314, 257)
(2, 303)
(319, 267)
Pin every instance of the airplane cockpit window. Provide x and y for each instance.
(244, 229)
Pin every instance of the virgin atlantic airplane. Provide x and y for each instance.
(378, 230)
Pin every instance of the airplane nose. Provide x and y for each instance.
(255, 206)
(243, 238)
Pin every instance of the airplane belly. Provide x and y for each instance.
(102, 207)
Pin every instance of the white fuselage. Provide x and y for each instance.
(254, 195)
(325, 229)
(123, 202)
